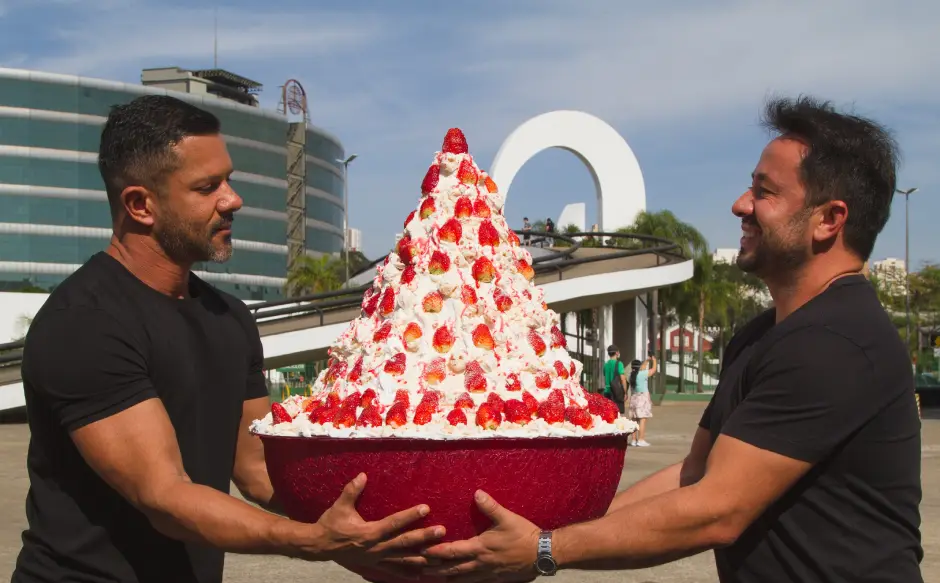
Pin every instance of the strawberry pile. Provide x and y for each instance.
(453, 332)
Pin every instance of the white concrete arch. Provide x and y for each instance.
(618, 181)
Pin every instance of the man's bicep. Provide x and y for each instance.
(134, 451)
(812, 393)
(250, 473)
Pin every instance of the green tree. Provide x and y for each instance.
(714, 293)
(313, 275)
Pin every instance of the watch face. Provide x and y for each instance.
(545, 565)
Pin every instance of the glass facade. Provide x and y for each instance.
(50, 126)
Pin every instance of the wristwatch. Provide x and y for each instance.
(544, 562)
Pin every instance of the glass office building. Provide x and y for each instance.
(53, 208)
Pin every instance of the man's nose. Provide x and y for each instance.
(744, 205)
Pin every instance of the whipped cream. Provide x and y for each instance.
(452, 312)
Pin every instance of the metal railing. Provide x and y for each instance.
(556, 261)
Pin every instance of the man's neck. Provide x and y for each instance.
(795, 290)
(147, 262)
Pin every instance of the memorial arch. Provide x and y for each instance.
(618, 181)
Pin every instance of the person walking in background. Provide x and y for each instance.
(641, 405)
(526, 231)
(615, 380)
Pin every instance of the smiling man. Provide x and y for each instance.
(141, 381)
(805, 466)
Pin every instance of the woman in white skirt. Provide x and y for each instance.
(641, 406)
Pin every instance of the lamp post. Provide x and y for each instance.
(907, 265)
(345, 164)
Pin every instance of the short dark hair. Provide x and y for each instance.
(850, 158)
(138, 139)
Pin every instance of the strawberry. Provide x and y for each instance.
(543, 380)
(439, 263)
(423, 413)
(466, 172)
(352, 400)
(532, 406)
(579, 417)
(451, 231)
(456, 417)
(454, 142)
(396, 364)
(407, 275)
(402, 396)
(551, 412)
(572, 370)
(474, 380)
(406, 250)
(536, 342)
(525, 269)
(370, 302)
(490, 185)
(356, 373)
(487, 234)
(558, 339)
(309, 404)
(432, 398)
(512, 382)
(481, 209)
(369, 417)
(483, 270)
(411, 215)
(337, 370)
(435, 372)
(502, 301)
(496, 401)
(468, 296)
(427, 208)
(464, 401)
(430, 179)
(381, 335)
(517, 412)
(345, 417)
(603, 408)
(482, 337)
(443, 340)
(326, 415)
(412, 333)
(556, 396)
(433, 302)
(488, 417)
(279, 414)
(513, 238)
(332, 400)
(544, 306)
(463, 208)
(387, 304)
(561, 370)
(368, 398)
(397, 415)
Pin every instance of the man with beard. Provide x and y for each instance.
(141, 381)
(805, 466)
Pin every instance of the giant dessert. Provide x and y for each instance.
(454, 339)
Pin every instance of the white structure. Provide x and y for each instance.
(726, 255)
(892, 272)
(572, 214)
(354, 239)
(618, 183)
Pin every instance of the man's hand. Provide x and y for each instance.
(505, 552)
(351, 541)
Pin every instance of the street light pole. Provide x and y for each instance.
(907, 265)
(345, 164)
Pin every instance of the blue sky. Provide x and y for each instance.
(683, 83)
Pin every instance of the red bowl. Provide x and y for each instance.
(552, 481)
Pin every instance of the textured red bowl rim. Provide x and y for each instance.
(392, 439)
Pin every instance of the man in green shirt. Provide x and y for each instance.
(615, 381)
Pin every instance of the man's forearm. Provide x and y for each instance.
(199, 514)
(664, 528)
(653, 485)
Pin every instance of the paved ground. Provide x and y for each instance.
(670, 433)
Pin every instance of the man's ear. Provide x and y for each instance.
(831, 220)
(138, 204)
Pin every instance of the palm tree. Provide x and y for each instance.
(313, 275)
(714, 293)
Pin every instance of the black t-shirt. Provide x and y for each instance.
(831, 385)
(103, 342)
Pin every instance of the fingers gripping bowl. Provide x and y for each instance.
(455, 377)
